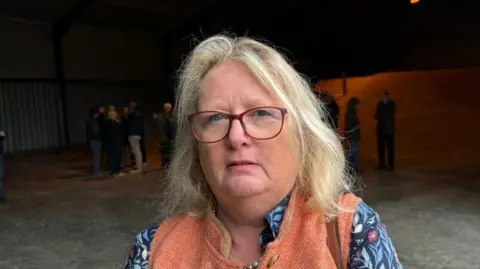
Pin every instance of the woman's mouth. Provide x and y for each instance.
(240, 163)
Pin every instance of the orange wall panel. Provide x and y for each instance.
(437, 122)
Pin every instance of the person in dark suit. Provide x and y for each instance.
(115, 133)
(333, 110)
(139, 115)
(127, 153)
(385, 117)
(135, 129)
(102, 119)
(165, 132)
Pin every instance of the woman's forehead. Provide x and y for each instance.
(233, 83)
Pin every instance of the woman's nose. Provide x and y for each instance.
(237, 135)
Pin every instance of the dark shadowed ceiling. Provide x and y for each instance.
(164, 16)
(160, 16)
(340, 34)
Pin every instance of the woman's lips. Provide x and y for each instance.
(240, 163)
(241, 166)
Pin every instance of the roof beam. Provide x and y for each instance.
(65, 22)
(59, 29)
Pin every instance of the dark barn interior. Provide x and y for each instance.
(58, 58)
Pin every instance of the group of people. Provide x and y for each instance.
(109, 134)
(385, 130)
(122, 138)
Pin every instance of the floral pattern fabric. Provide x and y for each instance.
(370, 246)
(272, 223)
(138, 258)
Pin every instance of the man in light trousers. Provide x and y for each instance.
(135, 130)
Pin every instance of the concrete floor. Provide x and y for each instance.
(432, 218)
(58, 217)
(66, 222)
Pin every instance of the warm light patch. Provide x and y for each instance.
(414, 1)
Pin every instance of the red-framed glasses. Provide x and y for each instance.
(260, 123)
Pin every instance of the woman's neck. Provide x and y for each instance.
(244, 219)
(238, 220)
(244, 233)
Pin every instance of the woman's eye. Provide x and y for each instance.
(216, 117)
(261, 113)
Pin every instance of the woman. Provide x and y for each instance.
(115, 142)
(257, 179)
(352, 132)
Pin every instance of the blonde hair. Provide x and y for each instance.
(322, 163)
(112, 114)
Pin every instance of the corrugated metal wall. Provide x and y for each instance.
(30, 114)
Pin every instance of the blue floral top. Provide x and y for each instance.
(370, 246)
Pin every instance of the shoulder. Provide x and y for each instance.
(139, 252)
(349, 201)
(364, 219)
(370, 244)
(144, 241)
(363, 212)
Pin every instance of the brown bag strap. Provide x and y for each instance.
(333, 242)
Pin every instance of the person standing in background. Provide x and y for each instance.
(2, 168)
(102, 118)
(143, 148)
(115, 140)
(94, 139)
(159, 124)
(127, 152)
(171, 130)
(163, 125)
(385, 117)
(135, 132)
(333, 110)
(142, 138)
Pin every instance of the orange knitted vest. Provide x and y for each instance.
(187, 242)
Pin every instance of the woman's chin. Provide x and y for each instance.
(243, 186)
